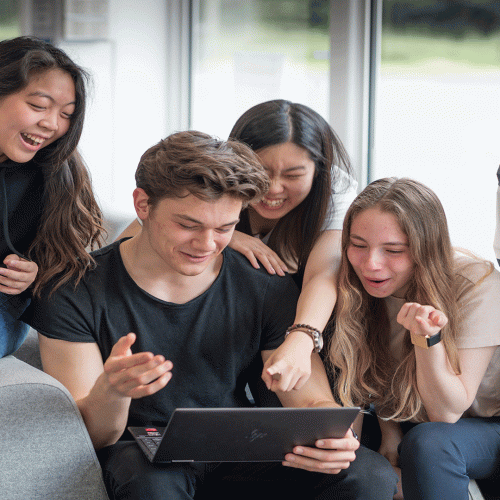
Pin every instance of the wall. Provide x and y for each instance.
(128, 103)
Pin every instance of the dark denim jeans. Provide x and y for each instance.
(129, 475)
(438, 459)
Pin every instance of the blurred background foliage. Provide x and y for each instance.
(453, 31)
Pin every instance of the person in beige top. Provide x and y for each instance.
(417, 335)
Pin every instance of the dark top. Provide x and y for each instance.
(24, 185)
(213, 340)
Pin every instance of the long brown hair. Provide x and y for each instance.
(277, 122)
(71, 220)
(358, 350)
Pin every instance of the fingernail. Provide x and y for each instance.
(298, 451)
(320, 443)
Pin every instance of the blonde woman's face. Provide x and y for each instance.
(379, 253)
(292, 173)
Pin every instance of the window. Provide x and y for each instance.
(10, 25)
(438, 108)
(250, 51)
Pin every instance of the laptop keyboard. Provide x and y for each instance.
(151, 443)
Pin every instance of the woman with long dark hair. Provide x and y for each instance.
(297, 225)
(49, 214)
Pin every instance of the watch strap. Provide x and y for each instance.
(425, 341)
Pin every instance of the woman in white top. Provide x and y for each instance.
(417, 335)
(297, 226)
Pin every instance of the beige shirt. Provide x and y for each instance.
(479, 303)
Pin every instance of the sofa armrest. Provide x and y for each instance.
(46, 450)
(29, 351)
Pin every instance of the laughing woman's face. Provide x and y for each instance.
(379, 253)
(36, 116)
(292, 173)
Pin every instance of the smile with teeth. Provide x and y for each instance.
(273, 203)
(33, 140)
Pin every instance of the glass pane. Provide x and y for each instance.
(249, 51)
(9, 19)
(438, 108)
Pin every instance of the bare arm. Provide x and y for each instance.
(329, 456)
(103, 392)
(319, 288)
(315, 305)
(445, 394)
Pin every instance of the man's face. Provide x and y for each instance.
(188, 234)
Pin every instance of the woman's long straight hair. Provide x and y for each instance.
(277, 122)
(71, 220)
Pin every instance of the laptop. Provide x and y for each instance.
(240, 434)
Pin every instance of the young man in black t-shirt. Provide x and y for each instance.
(171, 318)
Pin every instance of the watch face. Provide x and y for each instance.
(419, 341)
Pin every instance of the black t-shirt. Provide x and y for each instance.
(213, 340)
(25, 185)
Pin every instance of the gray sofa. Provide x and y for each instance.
(46, 452)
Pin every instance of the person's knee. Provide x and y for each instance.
(427, 443)
(371, 472)
(380, 473)
(128, 474)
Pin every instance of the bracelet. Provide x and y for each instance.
(314, 333)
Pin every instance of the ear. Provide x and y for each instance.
(141, 205)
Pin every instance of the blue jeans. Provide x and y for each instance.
(128, 474)
(13, 332)
(438, 459)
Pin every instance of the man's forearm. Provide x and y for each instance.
(105, 416)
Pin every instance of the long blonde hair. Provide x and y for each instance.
(366, 372)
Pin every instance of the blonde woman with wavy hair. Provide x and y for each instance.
(416, 335)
